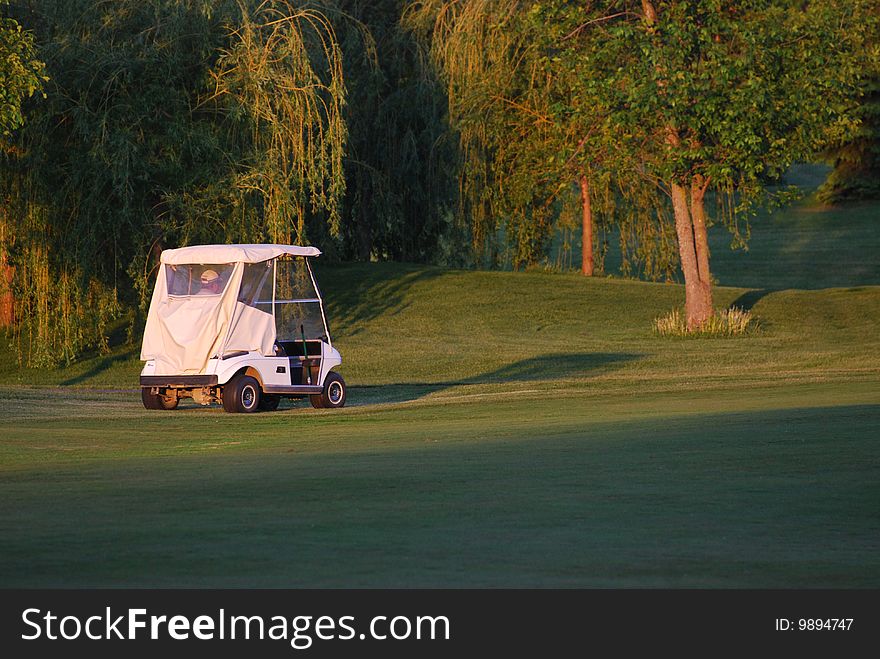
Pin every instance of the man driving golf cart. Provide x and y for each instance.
(210, 282)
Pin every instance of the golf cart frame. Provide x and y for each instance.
(262, 337)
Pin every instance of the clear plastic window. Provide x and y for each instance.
(198, 279)
(295, 319)
(256, 286)
(294, 281)
(297, 303)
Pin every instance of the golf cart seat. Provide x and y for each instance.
(295, 348)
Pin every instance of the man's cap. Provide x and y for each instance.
(209, 277)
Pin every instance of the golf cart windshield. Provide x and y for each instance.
(298, 312)
(296, 304)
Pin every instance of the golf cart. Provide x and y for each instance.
(240, 325)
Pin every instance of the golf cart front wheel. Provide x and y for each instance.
(241, 394)
(333, 395)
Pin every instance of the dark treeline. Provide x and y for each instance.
(459, 133)
(856, 160)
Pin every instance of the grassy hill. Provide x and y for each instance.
(503, 429)
(411, 325)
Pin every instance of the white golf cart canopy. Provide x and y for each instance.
(233, 253)
(211, 301)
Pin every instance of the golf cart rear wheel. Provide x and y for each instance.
(269, 402)
(241, 394)
(158, 401)
(333, 395)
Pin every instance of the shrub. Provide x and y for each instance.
(724, 322)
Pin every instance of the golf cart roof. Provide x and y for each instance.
(233, 253)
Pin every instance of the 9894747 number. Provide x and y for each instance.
(814, 624)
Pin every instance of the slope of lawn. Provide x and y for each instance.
(413, 325)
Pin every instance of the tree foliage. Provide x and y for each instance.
(856, 161)
(534, 139)
(21, 72)
(717, 96)
(21, 75)
(400, 130)
(666, 102)
(165, 123)
(400, 163)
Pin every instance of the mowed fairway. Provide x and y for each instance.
(503, 430)
(750, 487)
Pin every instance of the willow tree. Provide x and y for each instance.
(94, 159)
(165, 123)
(474, 50)
(399, 165)
(531, 134)
(499, 107)
(279, 86)
(719, 96)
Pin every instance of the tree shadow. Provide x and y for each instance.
(749, 299)
(359, 293)
(100, 366)
(544, 369)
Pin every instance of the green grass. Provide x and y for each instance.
(747, 487)
(407, 325)
(503, 430)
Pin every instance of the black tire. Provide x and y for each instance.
(241, 394)
(269, 402)
(158, 401)
(333, 395)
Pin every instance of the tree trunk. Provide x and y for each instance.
(690, 225)
(7, 272)
(587, 233)
(693, 245)
(698, 215)
(7, 299)
(692, 252)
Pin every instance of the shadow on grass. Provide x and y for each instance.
(749, 299)
(547, 368)
(100, 365)
(357, 294)
(749, 499)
